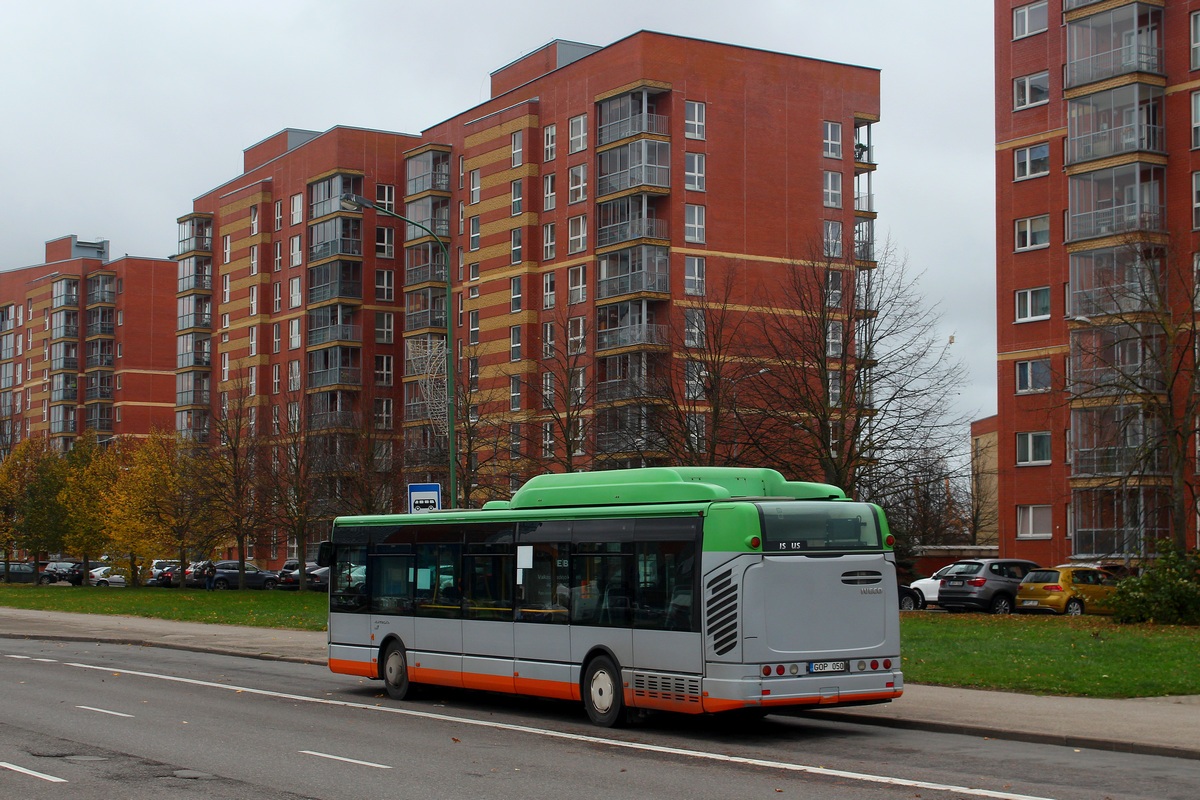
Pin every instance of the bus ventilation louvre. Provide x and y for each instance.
(862, 577)
(721, 608)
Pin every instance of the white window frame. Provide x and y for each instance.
(831, 145)
(1027, 231)
(1022, 87)
(1028, 516)
(547, 340)
(549, 142)
(278, 215)
(549, 199)
(474, 187)
(1028, 440)
(1024, 304)
(577, 133)
(278, 256)
(693, 119)
(253, 220)
(385, 330)
(1024, 159)
(514, 294)
(693, 223)
(515, 246)
(1195, 200)
(577, 284)
(473, 240)
(383, 369)
(1028, 371)
(253, 292)
(1195, 40)
(294, 376)
(694, 327)
(294, 334)
(515, 198)
(548, 243)
(227, 247)
(693, 275)
(834, 347)
(252, 345)
(517, 139)
(577, 184)
(834, 280)
(693, 171)
(385, 242)
(473, 327)
(276, 296)
(576, 336)
(832, 238)
(385, 196)
(297, 209)
(577, 234)
(514, 393)
(225, 279)
(514, 343)
(385, 285)
(1021, 20)
(833, 189)
(295, 292)
(296, 250)
(253, 259)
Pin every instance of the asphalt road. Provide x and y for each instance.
(110, 721)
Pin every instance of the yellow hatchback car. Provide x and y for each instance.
(1066, 590)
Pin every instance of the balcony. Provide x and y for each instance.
(335, 247)
(198, 358)
(864, 201)
(337, 290)
(1120, 61)
(98, 393)
(1119, 461)
(430, 181)
(416, 410)
(425, 272)
(334, 333)
(633, 125)
(64, 362)
(196, 281)
(1117, 219)
(65, 300)
(336, 376)
(440, 227)
(68, 394)
(193, 397)
(62, 426)
(648, 227)
(628, 441)
(631, 335)
(622, 389)
(101, 329)
(104, 424)
(101, 296)
(327, 420)
(415, 320)
(94, 360)
(196, 433)
(6, 353)
(659, 282)
(1122, 139)
(643, 175)
(64, 332)
(200, 243)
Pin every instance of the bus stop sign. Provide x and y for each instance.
(424, 497)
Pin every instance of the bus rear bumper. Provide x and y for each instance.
(825, 691)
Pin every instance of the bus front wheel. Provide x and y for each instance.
(395, 672)
(602, 694)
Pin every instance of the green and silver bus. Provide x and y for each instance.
(687, 589)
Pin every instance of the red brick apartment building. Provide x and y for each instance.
(85, 342)
(1097, 125)
(588, 203)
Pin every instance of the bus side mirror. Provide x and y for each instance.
(325, 554)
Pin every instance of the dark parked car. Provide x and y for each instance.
(910, 599)
(79, 569)
(983, 584)
(227, 576)
(316, 579)
(20, 572)
(291, 565)
(55, 571)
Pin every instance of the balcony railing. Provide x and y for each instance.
(415, 320)
(1121, 61)
(197, 433)
(65, 301)
(864, 201)
(864, 153)
(1119, 461)
(197, 281)
(101, 296)
(1122, 139)
(68, 394)
(7, 324)
(334, 333)
(64, 362)
(325, 420)
(631, 335)
(1111, 380)
(638, 123)
(424, 272)
(201, 243)
(98, 360)
(649, 227)
(416, 411)
(64, 332)
(1118, 219)
(864, 250)
(644, 175)
(98, 393)
(628, 441)
(345, 290)
(335, 247)
(6, 353)
(633, 282)
(337, 376)
(440, 226)
(199, 358)
(101, 329)
(98, 423)
(438, 181)
(622, 389)
(62, 426)
(193, 397)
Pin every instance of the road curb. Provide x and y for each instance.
(192, 648)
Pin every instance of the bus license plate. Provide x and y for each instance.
(827, 666)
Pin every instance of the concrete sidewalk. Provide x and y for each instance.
(1166, 726)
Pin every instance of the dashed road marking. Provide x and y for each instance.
(348, 760)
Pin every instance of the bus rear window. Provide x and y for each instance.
(804, 527)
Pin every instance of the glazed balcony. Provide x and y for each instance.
(632, 283)
(629, 336)
(199, 280)
(1125, 218)
(334, 333)
(193, 397)
(629, 230)
(328, 420)
(433, 318)
(197, 319)
(95, 296)
(101, 329)
(1110, 64)
(98, 393)
(198, 358)
(658, 124)
(335, 376)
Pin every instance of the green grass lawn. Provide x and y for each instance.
(1088, 656)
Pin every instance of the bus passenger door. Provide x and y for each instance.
(487, 631)
(542, 635)
(437, 606)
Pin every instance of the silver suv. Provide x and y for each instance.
(983, 584)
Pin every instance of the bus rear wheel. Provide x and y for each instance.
(395, 672)
(602, 694)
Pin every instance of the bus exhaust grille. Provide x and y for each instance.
(862, 577)
(721, 608)
(669, 688)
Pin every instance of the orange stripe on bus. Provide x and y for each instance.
(843, 698)
(557, 690)
(363, 669)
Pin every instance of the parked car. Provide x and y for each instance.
(227, 576)
(75, 574)
(928, 587)
(1067, 590)
(291, 565)
(105, 576)
(55, 571)
(984, 584)
(910, 599)
(156, 571)
(316, 578)
(20, 572)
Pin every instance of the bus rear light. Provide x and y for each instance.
(977, 581)
(887, 663)
(890, 685)
(754, 542)
(779, 670)
(862, 666)
(794, 669)
(874, 665)
(890, 540)
(767, 670)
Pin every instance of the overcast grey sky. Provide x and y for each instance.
(117, 114)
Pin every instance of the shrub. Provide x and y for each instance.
(1168, 592)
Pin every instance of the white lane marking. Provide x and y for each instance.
(103, 711)
(24, 771)
(12, 656)
(47, 660)
(348, 760)
(576, 737)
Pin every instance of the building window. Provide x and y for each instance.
(693, 327)
(383, 370)
(695, 379)
(253, 301)
(473, 191)
(385, 197)
(276, 296)
(514, 343)
(833, 189)
(834, 387)
(548, 197)
(385, 242)
(1033, 304)
(547, 390)
(515, 250)
(385, 284)
(833, 338)
(474, 227)
(693, 119)
(693, 275)
(1033, 376)
(226, 246)
(472, 327)
(832, 147)
(549, 139)
(384, 331)
(293, 334)
(578, 134)
(1195, 110)
(275, 380)
(577, 184)
(278, 256)
(547, 440)
(1031, 90)
(473, 273)
(514, 297)
(547, 340)
(296, 251)
(1034, 522)
(297, 209)
(833, 288)
(833, 238)
(548, 242)
(1196, 200)
(693, 171)
(1030, 19)
(253, 342)
(693, 224)
(1033, 233)
(253, 259)
(383, 413)
(1033, 448)
(577, 234)
(1196, 40)
(253, 220)
(1032, 162)
(224, 366)
(225, 288)
(518, 148)
(514, 393)
(576, 336)
(275, 338)
(278, 215)
(577, 284)
(295, 292)
(293, 376)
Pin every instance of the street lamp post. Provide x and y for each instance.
(354, 202)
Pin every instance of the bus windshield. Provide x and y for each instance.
(798, 527)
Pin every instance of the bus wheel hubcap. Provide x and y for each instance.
(394, 668)
(602, 691)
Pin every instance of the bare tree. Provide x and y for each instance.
(564, 390)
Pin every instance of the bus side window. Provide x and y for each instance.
(438, 581)
(665, 578)
(545, 595)
(391, 585)
(348, 579)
